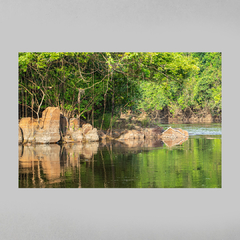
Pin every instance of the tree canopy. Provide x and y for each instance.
(91, 84)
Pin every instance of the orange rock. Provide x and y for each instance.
(46, 131)
(150, 133)
(74, 124)
(172, 133)
(86, 128)
(92, 135)
(29, 127)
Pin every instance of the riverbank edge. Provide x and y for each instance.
(53, 127)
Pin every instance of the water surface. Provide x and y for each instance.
(195, 163)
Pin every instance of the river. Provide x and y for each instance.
(195, 163)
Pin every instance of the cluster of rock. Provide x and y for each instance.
(46, 130)
(54, 127)
(140, 134)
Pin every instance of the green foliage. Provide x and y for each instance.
(184, 80)
(77, 83)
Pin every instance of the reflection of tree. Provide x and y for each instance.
(195, 163)
(93, 171)
(79, 171)
(105, 175)
(112, 165)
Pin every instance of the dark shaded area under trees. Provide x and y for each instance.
(99, 86)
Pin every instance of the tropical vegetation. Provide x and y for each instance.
(101, 85)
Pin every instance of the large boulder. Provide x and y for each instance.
(155, 133)
(92, 135)
(29, 127)
(86, 128)
(184, 132)
(138, 134)
(47, 130)
(131, 134)
(77, 136)
(85, 134)
(74, 124)
(127, 134)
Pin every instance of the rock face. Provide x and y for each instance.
(77, 136)
(92, 135)
(46, 131)
(131, 134)
(85, 134)
(29, 128)
(153, 132)
(50, 126)
(86, 128)
(147, 133)
(74, 124)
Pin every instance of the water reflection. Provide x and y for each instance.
(128, 164)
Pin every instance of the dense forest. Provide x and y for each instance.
(98, 86)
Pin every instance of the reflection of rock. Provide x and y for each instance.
(20, 151)
(133, 143)
(80, 150)
(47, 155)
(170, 143)
(153, 143)
(139, 143)
(50, 160)
(27, 157)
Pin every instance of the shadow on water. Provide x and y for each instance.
(193, 163)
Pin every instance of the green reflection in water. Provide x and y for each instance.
(194, 164)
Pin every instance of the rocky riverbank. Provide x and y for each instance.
(53, 127)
